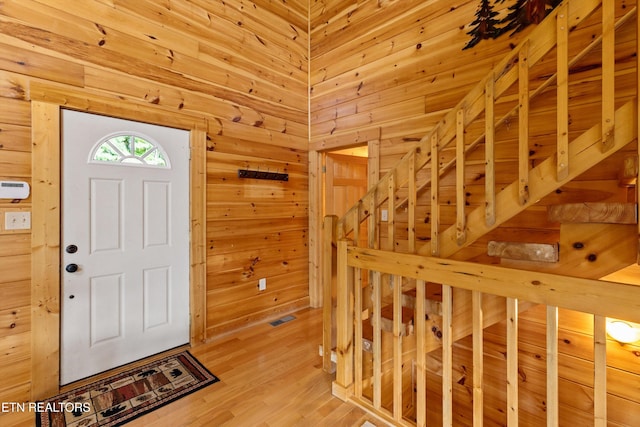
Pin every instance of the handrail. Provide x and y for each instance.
(601, 298)
(604, 298)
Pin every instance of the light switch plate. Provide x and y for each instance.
(17, 220)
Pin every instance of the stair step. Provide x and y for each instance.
(367, 345)
(334, 356)
(433, 300)
(432, 291)
(367, 336)
(406, 328)
(590, 251)
(629, 173)
(540, 252)
(602, 213)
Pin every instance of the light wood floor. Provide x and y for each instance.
(269, 376)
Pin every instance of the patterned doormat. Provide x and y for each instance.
(119, 399)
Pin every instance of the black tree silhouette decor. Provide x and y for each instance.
(519, 16)
(526, 12)
(485, 26)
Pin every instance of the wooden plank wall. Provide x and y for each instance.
(391, 68)
(239, 66)
(388, 70)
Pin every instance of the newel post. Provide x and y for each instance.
(343, 385)
(329, 228)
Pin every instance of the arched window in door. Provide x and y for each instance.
(130, 149)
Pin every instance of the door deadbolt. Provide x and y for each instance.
(71, 249)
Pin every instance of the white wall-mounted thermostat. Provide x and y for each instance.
(14, 190)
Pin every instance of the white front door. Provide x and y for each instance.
(125, 242)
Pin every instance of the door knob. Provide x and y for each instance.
(71, 268)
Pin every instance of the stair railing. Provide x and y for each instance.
(483, 107)
(481, 102)
(391, 398)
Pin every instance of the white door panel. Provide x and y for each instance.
(157, 224)
(157, 297)
(106, 300)
(129, 297)
(106, 222)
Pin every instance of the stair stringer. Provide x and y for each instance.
(584, 153)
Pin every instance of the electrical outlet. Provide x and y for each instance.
(262, 284)
(17, 220)
(384, 215)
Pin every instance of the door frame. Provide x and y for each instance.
(316, 210)
(46, 103)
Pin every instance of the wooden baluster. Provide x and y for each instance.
(373, 163)
(447, 356)
(329, 228)
(342, 226)
(523, 121)
(421, 371)
(357, 302)
(489, 149)
(512, 362)
(563, 92)
(373, 226)
(608, 72)
(373, 235)
(552, 367)
(376, 320)
(412, 197)
(435, 196)
(356, 223)
(600, 371)
(478, 353)
(397, 347)
(460, 193)
(344, 321)
(374, 284)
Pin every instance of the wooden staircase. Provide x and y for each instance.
(472, 131)
(458, 131)
(588, 246)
